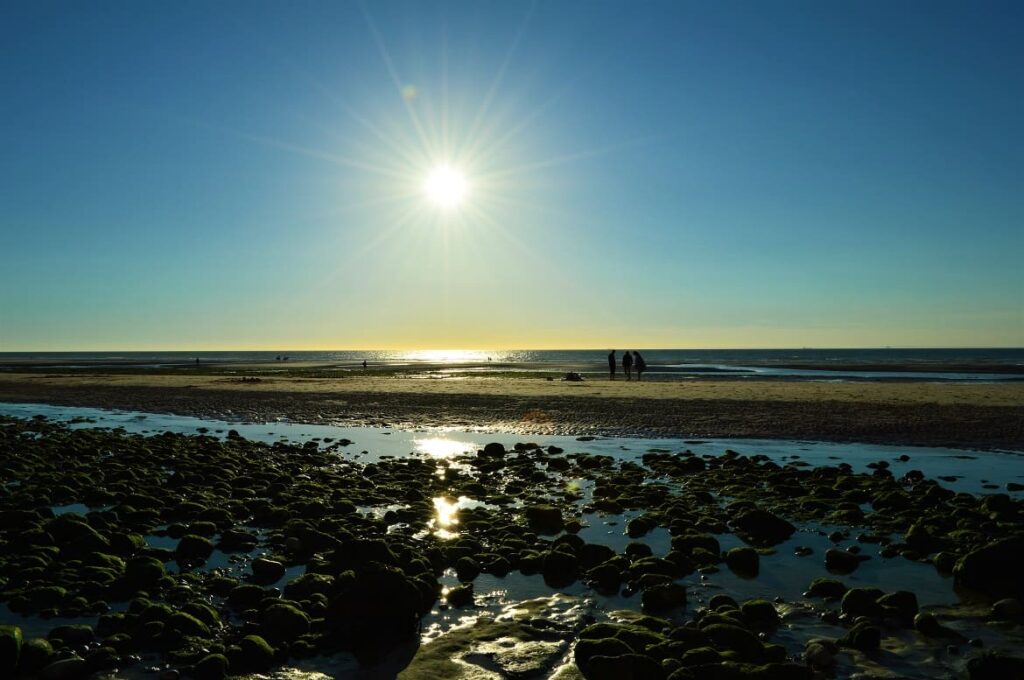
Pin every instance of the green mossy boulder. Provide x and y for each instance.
(211, 667)
(11, 642)
(284, 623)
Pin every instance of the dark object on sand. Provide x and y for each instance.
(573, 376)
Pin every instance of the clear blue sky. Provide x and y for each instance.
(655, 174)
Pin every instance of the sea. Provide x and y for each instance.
(962, 364)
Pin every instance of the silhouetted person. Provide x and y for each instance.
(611, 365)
(639, 364)
(364, 363)
(627, 365)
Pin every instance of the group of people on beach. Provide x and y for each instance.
(631, 361)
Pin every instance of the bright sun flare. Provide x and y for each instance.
(445, 186)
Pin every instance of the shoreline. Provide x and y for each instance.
(987, 416)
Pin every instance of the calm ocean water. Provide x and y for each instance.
(814, 364)
(666, 357)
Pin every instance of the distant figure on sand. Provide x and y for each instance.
(364, 363)
(611, 365)
(627, 364)
(639, 364)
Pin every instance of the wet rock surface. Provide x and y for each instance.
(209, 557)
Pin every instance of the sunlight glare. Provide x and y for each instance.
(445, 186)
(442, 448)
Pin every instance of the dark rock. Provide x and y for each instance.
(494, 450)
(863, 636)
(902, 604)
(737, 639)
(11, 640)
(664, 597)
(560, 568)
(266, 571)
(826, 587)
(621, 667)
(460, 596)
(36, 654)
(994, 569)
(862, 602)
(283, 623)
(257, 653)
(73, 635)
(211, 667)
(193, 549)
(762, 528)
(760, 613)
(588, 648)
(995, 667)
(545, 519)
(467, 569)
(1007, 609)
(64, 669)
(743, 561)
(840, 561)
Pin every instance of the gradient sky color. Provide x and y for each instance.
(196, 175)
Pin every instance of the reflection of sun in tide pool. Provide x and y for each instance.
(445, 186)
(446, 520)
(442, 448)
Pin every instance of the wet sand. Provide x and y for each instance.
(987, 415)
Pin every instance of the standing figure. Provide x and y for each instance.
(611, 365)
(627, 365)
(639, 364)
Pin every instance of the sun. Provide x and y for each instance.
(445, 186)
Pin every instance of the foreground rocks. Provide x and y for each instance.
(321, 577)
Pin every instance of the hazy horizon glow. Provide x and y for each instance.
(405, 175)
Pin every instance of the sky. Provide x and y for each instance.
(215, 175)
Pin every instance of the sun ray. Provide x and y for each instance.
(393, 72)
(500, 76)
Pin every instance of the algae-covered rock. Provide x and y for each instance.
(743, 561)
(544, 519)
(265, 571)
(995, 666)
(587, 649)
(193, 549)
(11, 640)
(760, 613)
(994, 569)
(73, 635)
(862, 602)
(620, 667)
(560, 568)
(283, 622)
(36, 654)
(257, 652)
(762, 528)
(863, 636)
(143, 572)
(827, 587)
(186, 624)
(664, 597)
(211, 667)
(901, 603)
(734, 638)
(840, 561)
(460, 596)
(64, 669)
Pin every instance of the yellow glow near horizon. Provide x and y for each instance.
(446, 186)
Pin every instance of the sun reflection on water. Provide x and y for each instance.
(446, 521)
(438, 447)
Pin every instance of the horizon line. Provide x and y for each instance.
(508, 349)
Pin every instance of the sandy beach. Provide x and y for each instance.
(985, 415)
